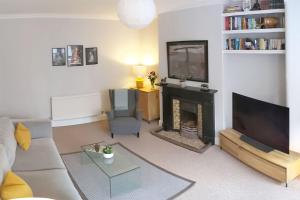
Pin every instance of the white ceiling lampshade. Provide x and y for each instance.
(136, 14)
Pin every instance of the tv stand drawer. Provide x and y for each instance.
(275, 164)
(264, 166)
(229, 146)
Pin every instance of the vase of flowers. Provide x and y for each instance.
(152, 77)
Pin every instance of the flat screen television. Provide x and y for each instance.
(265, 123)
(188, 60)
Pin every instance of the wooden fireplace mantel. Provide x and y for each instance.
(275, 164)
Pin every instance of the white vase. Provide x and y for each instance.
(108, 155)
(183, 84)
(247, 5)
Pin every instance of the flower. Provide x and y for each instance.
(152, 76)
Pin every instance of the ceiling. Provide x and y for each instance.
(104, 9)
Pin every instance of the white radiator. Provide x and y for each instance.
(70, 110)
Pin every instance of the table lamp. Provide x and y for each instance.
(140, 72)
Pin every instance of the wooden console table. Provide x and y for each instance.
(275, 164)
(149, 103)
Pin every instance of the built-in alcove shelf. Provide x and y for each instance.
(282, 52)
(256, 12)
(235, 35)
(268, 30)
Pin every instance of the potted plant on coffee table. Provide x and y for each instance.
(108, 151)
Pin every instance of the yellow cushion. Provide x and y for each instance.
(23, 136)
(14, 187)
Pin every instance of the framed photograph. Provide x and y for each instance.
(91, 56)
(188, 60)
(58, 56)
(75, 55)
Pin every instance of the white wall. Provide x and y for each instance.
(149, 48)
(293, 71)
(203, 23)
(28, 78)
(257, 76)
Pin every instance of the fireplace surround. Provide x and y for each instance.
(190, 111)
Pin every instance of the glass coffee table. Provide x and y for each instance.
(123, 174)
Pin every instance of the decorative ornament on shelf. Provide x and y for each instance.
(136, 14)
(152, 77)
(182, 82)
(246, 5)
(256, 6)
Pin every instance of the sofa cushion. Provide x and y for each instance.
(7, 138)
(14, 187)
(4, 164)
(23, 136)
(54, 184)
(42, 155)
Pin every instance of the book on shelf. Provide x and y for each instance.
(242, 23)
(254, 44)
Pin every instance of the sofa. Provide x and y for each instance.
(41, 166)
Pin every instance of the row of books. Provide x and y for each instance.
(244, 23)
(241, 23)
(254, 44)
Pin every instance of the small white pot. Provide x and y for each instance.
(108, 155)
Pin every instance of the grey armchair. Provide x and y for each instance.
(125, 120)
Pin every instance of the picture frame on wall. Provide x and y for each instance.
(75, 55)
(91, 56)
(58, 56)
(188, 60)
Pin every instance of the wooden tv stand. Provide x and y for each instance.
(275, 164)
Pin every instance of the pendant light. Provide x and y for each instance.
(136, 14)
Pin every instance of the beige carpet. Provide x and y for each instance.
(218, 175)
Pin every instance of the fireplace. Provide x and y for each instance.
(187, 118)
(190, 112)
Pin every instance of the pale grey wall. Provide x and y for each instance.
(28, 78)
(258, 76)
(203, 23)
(293, 71)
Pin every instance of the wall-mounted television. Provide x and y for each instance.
(188, 60)
(263, 122)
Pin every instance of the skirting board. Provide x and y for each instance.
(70, 122)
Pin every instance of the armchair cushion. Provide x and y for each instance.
(125, 125)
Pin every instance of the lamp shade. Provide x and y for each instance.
(136, 14)
(139, 71)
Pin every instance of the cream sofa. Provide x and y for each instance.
(41, 166)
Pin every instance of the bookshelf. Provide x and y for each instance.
(254, 51)
(256, 12)
(242, 32)
(269, 30)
